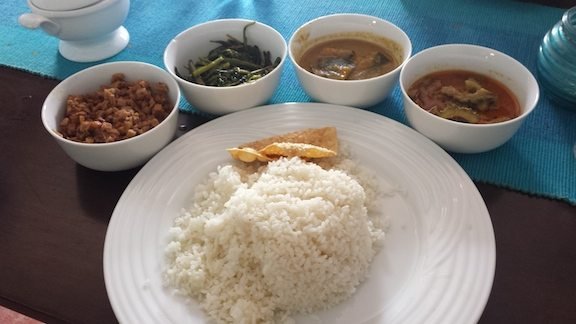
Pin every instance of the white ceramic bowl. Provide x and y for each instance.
(89, 30)
(357, 93)
(195, 42)
(120, 155)
(463, 137)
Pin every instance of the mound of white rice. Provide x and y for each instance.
(257, 246)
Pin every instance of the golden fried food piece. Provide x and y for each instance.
(308, 143)
(247, 154)
(307, 151)
(324, 137)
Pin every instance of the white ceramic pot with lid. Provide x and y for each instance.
(89, 30)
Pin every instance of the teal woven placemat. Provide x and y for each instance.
(538, 160)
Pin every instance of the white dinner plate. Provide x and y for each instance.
(436, 266)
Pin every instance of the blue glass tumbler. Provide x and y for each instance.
(557, 61)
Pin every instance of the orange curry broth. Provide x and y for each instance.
(362, 50)
(507, 103)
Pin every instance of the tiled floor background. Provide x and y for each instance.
(8, 316)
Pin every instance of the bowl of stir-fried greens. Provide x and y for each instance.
(227, 65)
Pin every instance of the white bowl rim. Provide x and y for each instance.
(215, 21)
(175, 109)
(525, 113)
(382, 76)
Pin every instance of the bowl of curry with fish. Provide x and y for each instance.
(349, 59)
(467, 98)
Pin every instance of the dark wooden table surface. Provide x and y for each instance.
(54, 214)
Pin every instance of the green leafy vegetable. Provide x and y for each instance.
(232, 63)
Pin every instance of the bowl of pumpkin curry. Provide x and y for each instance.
(467, 98)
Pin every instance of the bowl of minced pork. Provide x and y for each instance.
(261, 243)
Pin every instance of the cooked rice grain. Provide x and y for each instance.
(257, 247)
